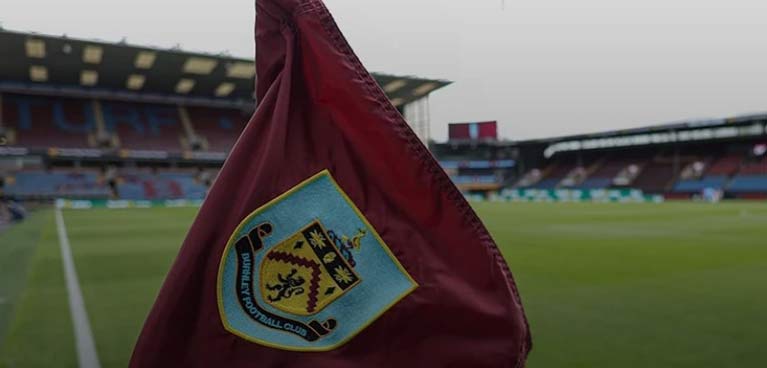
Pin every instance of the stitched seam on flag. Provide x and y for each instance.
(298, 261)
(306, 7)
(420, 152)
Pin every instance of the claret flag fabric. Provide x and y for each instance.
(331, 237)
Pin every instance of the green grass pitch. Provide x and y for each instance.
(604, 285)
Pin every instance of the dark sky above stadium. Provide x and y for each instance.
(539, 67)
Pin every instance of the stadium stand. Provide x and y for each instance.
(726, 165)
(529, 179)
(707, 173)
(752, 176)
(553, 175)
(218, 128)
(149, 184)
(654, 177)
(575, 177)
(756, 166)
(138, 133)
(132, 184)
(58, 183)
(32, 121)
(77, 128)
(476, 179)
(479, 175)
(604, 176)
(697, 185)
(143, 127)
(748, 184)
(694, 170)
(595, 183)
(679, 171)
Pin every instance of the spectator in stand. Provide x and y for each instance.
(110, 177)
(16, 211)
(760, 149)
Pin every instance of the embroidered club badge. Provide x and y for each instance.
(307, 271)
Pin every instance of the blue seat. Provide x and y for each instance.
(57, 184)
(164, 185)
(477, 179)
(595, 183)
(748, 184)
(130, 190)
(546, 184)
(713, 181)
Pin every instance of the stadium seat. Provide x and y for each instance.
(726, 165)
(165, 185)
(144, 127)
(547, 183)
(548, 178)
(219, 127)
(131, 190)
(574, 177)
(595, 183)
(611, 168)
(484, 179)
(694, 170)
(603, 176)
(748, 184)
(57, 184)
(529, 179)
(43, 122)
(756, 167)
(711, 181)
(654, 177)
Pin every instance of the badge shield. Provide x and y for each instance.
(307, 271)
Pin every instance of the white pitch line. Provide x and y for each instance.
(86, 348)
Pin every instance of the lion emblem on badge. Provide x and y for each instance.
(306, 272)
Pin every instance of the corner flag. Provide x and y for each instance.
(331, 238)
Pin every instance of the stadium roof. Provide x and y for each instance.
(751, 126)
(34, 63)
(744, 127)
(659, 128)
